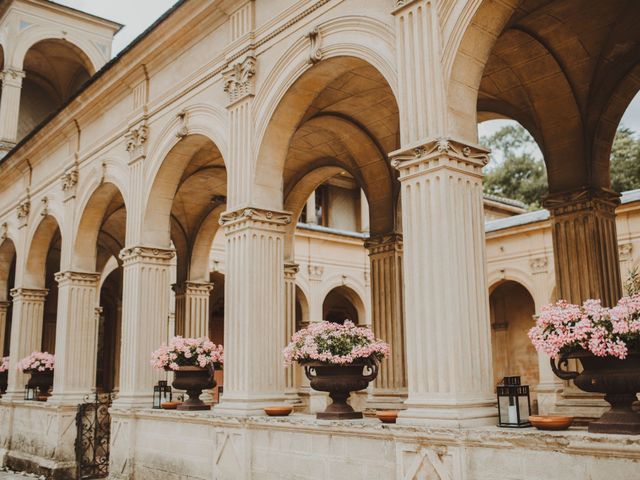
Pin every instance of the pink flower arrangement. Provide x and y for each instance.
(37, 362)
(333, 343)
(563, 328)
(193, 352)
(4, 366)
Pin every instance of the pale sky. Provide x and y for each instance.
(137, 15)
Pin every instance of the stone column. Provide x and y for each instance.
(585, 245)
(311, 209)
(448, 340)
(10, 107)
(26, 334)
(290, 272)
(387, 311)
(192, 309)
(76, 336)
(254, 374)
(145, 317)
(4, 308)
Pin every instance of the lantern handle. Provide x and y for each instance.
(564, 374)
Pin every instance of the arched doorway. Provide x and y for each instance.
(343, 303)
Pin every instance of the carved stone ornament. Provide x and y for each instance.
(77, 278)
(70, 179)
(4, 232)
(135, 140)
(183, 130)
(625, 250)
(585, 199)
(12, 77)
(45, 206)
(23, 209)
(291, 270)
(315, 272)
(315, 55)
(256, 215)
(384, 243)
(238, 79)
(146, 254)
(539, 265)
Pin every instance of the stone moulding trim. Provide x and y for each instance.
(257, 215)
(146, 254)
(440, 153)
(587, 198)
(88, 279)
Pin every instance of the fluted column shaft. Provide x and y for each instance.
(10, 107)
(145, 317)
(254, 310)
(448, 338)
(26, 334)
(585, 245)
(387, 311)
(290, 272)
(76, 336)
(4, 309)
(192, 309)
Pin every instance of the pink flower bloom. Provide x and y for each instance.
(187, 352)
(36, 361)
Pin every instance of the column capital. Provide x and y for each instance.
(391, 242)
(585, 198)
(135, 139)
(87, 279)
(12, 77)
(4, 305)
(238, 79)
(438, 153)
(243, 217)
(291, 269)
(193, 288)
(400, 5)
(29, 294)
(145, 254)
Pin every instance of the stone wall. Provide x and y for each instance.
(178, 445)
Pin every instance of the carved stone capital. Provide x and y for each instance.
(141, 254)
(29, 294)
(4, 306)
(238, 79)
(255, 215)
(136, 139)
(600, 200)
(384, 244)
(291, 270)
(440, 153)
(81, 279)
(12, 78)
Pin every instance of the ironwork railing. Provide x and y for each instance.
(93, 424)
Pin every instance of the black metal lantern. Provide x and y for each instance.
(514, 405)
(161, 394)
(30, 393)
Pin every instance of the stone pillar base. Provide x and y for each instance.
(449, 414)
(244, 407)
(392, 400)
(134, 401)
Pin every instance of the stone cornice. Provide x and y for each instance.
(587, 198)
(440, 153)
(256, 215)
(87, 279)
(144, 254)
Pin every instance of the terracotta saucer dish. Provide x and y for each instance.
(550, 422)
(387, 416)
(169, 405)
(278, 411)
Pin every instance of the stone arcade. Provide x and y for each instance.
(218, 125)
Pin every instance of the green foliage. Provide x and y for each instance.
(521, 175)
(625, 161)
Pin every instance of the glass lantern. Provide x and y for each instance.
(30, 393)
(514, 405)
(161, 394)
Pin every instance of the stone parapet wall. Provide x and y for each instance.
(39, 438)
(149, 444)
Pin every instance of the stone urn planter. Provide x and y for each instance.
(194, 380)
(340, 381)
(4, 380)
(43, 381)
(618, 379)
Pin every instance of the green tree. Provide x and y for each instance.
(625, 160)
(518, 171)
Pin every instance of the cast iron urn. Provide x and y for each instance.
(43, 381)
(340, 381)
(618, 379)
(194, 380)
